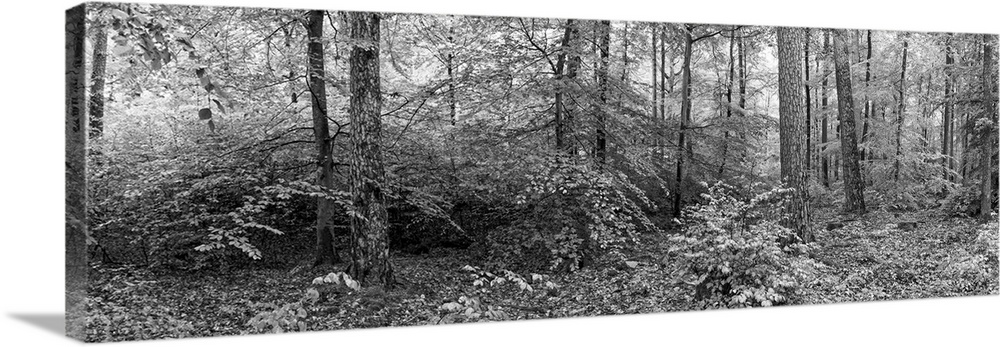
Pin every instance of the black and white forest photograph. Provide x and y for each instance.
(262, 170)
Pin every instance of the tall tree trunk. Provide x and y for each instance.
(370, 261)
(809, 125)
(604, 45)
(685, 118)
(76, 173)
(97, 72)
(989, 134)
(566, 67)
(325, 251)
(625, 40)
(902, 109)
(729, 99)
(743, 79)
(868, 103)
(663, 74)
(824, 110)
(450, 65)
(792, 128)
(656, 94)
(946, 121)
(853, 185)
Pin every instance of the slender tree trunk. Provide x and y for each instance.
(325, 251)
(566, 66)
(743, 80)
(663, 75)
(946, 121)
(989, 134)
(853, 185)
(452, 96)
(76, 173)
(729, 99)
(792, 128)
(97, 72)
(868, 103)
(656, 94)
(824, 110)
(604, 45)
(625, 40)
(685, 118)
(901, 114)
(370, 261)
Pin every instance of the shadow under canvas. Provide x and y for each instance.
(53, 322)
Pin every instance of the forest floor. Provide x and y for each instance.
(866, 260)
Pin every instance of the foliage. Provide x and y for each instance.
(732, 247)
(570, 214)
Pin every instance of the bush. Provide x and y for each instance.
(566, 217)
(731, 247)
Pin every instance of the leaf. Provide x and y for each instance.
(156, 64)
(211, 125)
(122, 50)
(632, 264)
(352, 283)
(205, 113)
(450, 307)
(217, 103)
(186, 44)
(312, 294)
(119, 14)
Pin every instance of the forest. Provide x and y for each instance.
(256, 170)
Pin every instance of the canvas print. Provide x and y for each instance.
(237, 171)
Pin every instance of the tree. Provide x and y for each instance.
(604, 43)
(792, 128)
(853, 185)
(565, 71)
(823, 110)
(901, 112)
(989, 127)
(947, 149)
(97, 72)
(369, 220)
(326, 253)
(76, 173)
(684, 147)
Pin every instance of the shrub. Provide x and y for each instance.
(731, 247)
(567, 216)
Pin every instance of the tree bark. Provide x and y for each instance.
(729, 99)
(685, 117)
(853, 185)
(900, 116)
(604, 45)
(325, 252)
(566, 66)
(946, 125)
(868, 103)
(823, 108)
(656, 94)
(97, 72)
(808, 109)
(76, 173)
(370, 261)
(792, 128)
(989, 141)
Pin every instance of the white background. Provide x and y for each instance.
(31, 176)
